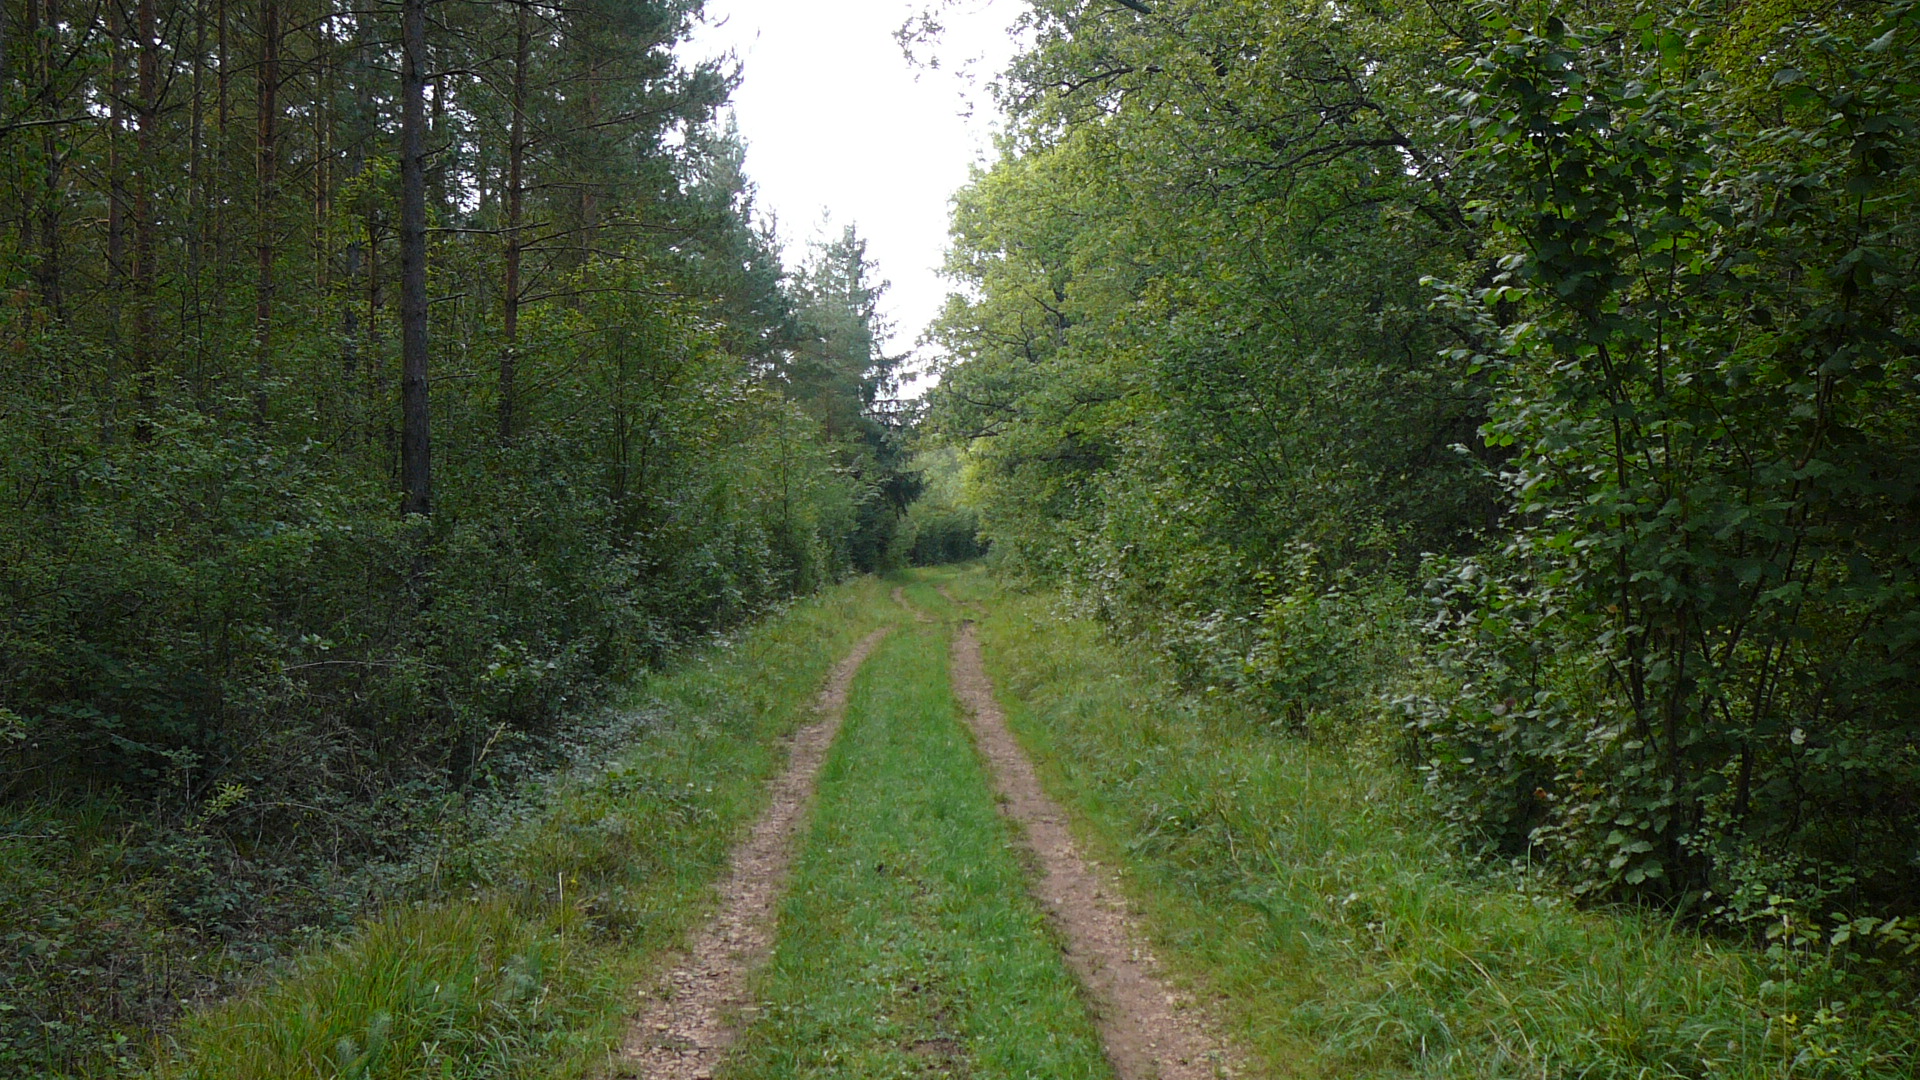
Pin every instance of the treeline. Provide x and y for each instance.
(1541, 377)
(381, 384)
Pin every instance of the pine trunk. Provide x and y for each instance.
(415, 442)
(516, 206)
(146, 356)
(267, 175)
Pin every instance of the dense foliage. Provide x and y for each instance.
(236, 681)
(944, 529)
(1552, 374)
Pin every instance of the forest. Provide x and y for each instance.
(1544, 376)
(1522, 395)
(383, 384)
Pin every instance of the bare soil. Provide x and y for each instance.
(688, 1019)
(1151, 1031)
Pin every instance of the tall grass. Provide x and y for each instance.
(528, 970)
(1302, 883)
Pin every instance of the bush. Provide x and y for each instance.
(1692, 674)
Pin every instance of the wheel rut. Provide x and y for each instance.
(900, 597)
(1150, 1032)
(687, 1019)
(963, 605)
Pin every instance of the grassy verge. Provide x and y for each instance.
(530, 971)
(1303, 885)
(909, 945)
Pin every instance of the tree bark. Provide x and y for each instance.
(589, 200)
(116, 153)
(416, 479)
(146, 278)
(267, 175)
(350, 317)
(199, 210)
(116, 214)
(48, 271)
(516, 206)
(219, 185)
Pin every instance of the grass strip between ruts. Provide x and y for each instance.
(530, 970)
(909, 945)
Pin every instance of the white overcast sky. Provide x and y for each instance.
(838, 122)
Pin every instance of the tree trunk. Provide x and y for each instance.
(376, 421)
(516, 206)
(415, 443)
(355, 71)
(589, 201)
(199, 210)
(116, 212)
(48, 271)
(380, 431)
(219, 184)
(146, 278)
(326, 138)
(267, 173)
(116, 152)
(350, 317)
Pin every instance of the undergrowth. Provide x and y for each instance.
(521, 958)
